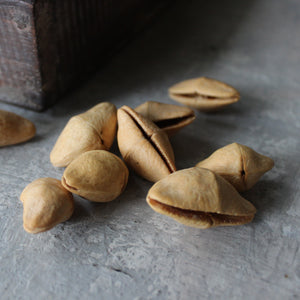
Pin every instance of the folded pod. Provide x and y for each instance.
(199, 198)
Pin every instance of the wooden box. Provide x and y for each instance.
(46, 46)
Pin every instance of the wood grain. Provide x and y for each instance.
(48, 46)
(20, 80)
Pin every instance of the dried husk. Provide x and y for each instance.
(145, 147)
(93, 130)
(97, 175)
(198, 197)
(14, 129)
(46, 203)
(168, 117)
(204, 94)
(238, 164)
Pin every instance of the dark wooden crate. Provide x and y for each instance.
(46, 46)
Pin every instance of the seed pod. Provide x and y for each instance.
(96, 175)
(144, 147)
(238, 164)
(14, 129)
(93, 130)
(198, 197)
(46, 203)
(204, 94)
(168, 117)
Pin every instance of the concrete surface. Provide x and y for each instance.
(125, 250)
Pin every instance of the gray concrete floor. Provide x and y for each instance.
(125, 250)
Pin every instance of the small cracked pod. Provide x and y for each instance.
(238, 164)
(14, 129)
(46, 203)
(97, 175)
(93, 130)
(199, 198)
(204, 94)
(144, 147)
(168, 117)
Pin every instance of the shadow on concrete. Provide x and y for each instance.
(189, 31)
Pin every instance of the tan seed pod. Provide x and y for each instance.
(238, 164)
(144, 147)
(14, 129)
(204, 94)
(96, 175)
(93, 130)
(168, 117)
(46, 203)
(198, 197)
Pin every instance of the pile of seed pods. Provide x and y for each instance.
(203, 196)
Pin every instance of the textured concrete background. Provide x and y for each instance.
(125, 250)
